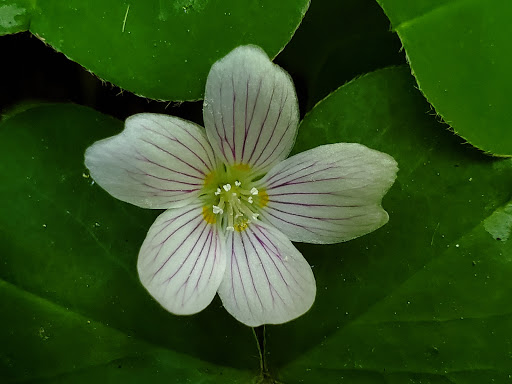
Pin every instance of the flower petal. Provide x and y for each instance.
(250, 109)
(329, 194)
(181, 263)
(157, 161)
(267, 280)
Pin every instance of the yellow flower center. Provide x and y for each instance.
(230, 198)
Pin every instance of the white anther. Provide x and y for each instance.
(217, 192)
(254, 191)
(249, 200)
(217, 210)
(255, 216)
(226, 187)
(234, 193)
(237, 183)
(230, 228)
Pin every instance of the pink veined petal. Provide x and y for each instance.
(157, 161)
(250, 109)
(181, 263)
(267, 280)
(329, 194)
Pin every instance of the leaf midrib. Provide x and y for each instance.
(431, 12)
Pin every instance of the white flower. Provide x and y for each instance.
(233, 201)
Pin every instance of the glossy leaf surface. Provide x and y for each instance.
(159, 49)
(424, 298)
(73, 309)
(459, 52)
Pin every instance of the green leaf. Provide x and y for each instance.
(426, 298)
(15, 16)
(460, 53)
(160, 49)
(337, 41)
(72, 307)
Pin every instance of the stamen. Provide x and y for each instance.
(234, 205)
(236, 209)
(245, 210)
(230, 216)
(221, 203)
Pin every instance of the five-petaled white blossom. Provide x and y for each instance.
(234, 202)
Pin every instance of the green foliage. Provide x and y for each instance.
(354, 39)
(159, 49)
(15, 15)
(425, 298)
(459, 52)
(73, 309)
